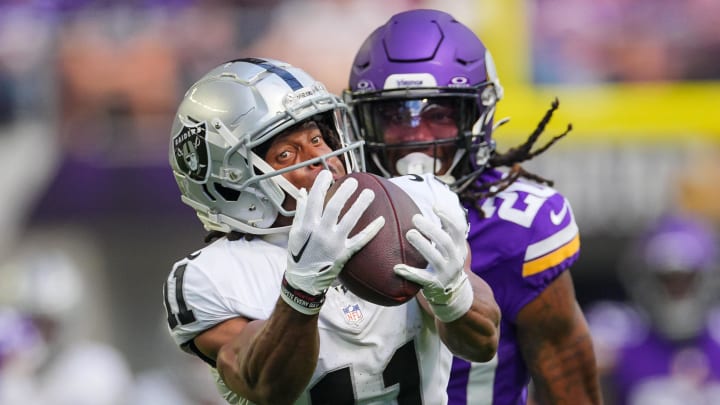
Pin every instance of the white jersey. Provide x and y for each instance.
(369, 354)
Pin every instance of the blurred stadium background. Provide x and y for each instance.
(88, 89)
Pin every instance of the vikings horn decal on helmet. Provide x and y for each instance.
(225, 122)
(424, 66)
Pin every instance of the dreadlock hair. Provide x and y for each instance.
(476, 192)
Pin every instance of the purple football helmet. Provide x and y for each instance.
(672, 273)
(423, 88)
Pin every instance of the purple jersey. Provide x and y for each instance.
(527, 238)
(645, 368)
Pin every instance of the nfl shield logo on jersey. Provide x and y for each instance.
(353, 314)
(191, 152)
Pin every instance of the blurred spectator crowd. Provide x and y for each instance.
(590, 41)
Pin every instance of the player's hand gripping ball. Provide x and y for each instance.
(369, 272)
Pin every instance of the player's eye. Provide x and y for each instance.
(394, 114)
(393, 118)
(437, 114)
(317, 140)
(283, 156)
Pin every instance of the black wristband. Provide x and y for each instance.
(301, 300)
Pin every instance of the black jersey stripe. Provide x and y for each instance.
(291, 80)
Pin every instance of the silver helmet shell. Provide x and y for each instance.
(234, 108)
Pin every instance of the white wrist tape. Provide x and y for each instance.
(457, 305)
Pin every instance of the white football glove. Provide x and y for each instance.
(444, 283)
(318, 246)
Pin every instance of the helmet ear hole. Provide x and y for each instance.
(207, 193)
(227, 193)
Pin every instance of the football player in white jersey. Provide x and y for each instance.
(262, 304)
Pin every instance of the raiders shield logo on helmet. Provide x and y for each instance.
(191, 152)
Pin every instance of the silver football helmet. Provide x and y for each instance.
(225, 116)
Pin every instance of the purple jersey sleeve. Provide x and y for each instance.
(528, 236)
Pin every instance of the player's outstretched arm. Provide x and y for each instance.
(272, 361)
(463, 304)
(557, 347)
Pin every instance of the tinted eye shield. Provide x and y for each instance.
(415, 107)
(414, 145)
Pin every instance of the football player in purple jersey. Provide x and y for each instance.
(423, 88)
(664, 346)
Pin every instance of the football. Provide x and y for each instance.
(369, 273)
